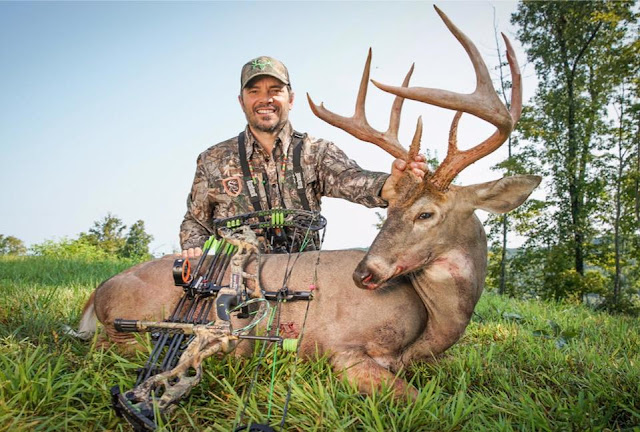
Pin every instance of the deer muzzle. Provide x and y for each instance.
(372, 272)
(363, 277)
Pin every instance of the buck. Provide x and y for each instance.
(411, 296)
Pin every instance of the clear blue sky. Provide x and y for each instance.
(104, 107)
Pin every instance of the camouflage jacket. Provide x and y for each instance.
(218, 189)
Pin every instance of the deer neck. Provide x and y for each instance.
(449, 288)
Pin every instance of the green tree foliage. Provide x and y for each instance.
(107, 234)
(67, 248)
(137, 242)
(504, 270)
(618, 249)
(565, 134)
(10, 245)
(573, 46)
(502, 226)
(105, 239)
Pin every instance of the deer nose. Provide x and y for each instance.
(362, 276)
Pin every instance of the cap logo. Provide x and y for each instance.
(257, 64)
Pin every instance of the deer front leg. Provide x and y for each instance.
(368, 376)
(429, 346)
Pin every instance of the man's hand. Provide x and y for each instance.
(192, 253)
(418, 166)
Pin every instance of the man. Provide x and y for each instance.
(269, 165)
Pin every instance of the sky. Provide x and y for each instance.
(104, 107)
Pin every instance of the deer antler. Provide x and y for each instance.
(483, 103)
(358, 126)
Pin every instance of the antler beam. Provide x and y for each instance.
(483, 103)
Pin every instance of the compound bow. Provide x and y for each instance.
(187, 338)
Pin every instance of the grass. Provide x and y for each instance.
(522, 365)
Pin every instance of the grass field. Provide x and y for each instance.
(520, 366)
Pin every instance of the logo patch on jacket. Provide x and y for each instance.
(232, 185)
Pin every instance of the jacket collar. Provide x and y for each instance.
(284, 139)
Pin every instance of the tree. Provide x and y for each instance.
(501, 227)
(618, 255)
(498, 255)
(10, 245)
(622, 179)
(574, 47)
(107, 234)
(137, 243)
(105, 239)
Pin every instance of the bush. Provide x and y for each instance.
(68, 248)
(104, 240)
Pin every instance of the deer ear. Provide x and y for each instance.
(501, 196)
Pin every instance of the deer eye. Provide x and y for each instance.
(425, 215)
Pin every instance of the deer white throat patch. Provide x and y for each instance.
(453, 264)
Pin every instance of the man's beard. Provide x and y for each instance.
(269, 128)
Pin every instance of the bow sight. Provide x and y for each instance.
(188, 337)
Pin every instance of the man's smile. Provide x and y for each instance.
(266, 110)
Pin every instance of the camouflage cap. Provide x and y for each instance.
(263, 65)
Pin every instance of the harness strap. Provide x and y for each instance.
(246, 174)
(298, 173)
(297, 169)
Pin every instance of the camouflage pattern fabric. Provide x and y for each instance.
(219, 191)
(264, 66)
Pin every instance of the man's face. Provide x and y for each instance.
(266, 102)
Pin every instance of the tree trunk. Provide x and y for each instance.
(577, 171)
(616, 230)
(617, 283)
(503, 258)
(575, 180)
(502, 288)
(637, 181)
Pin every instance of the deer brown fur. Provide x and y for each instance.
(409, 298)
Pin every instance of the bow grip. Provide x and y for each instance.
(224, 303)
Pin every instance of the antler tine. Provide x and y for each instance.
(415, 143)
(396, 109)
(516, 81)
(359, 114)
(358, 126)
(483, 103)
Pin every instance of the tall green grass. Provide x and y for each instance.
(520, 366)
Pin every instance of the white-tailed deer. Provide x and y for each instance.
(411, 296)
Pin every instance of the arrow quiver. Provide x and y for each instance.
(187, 338)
